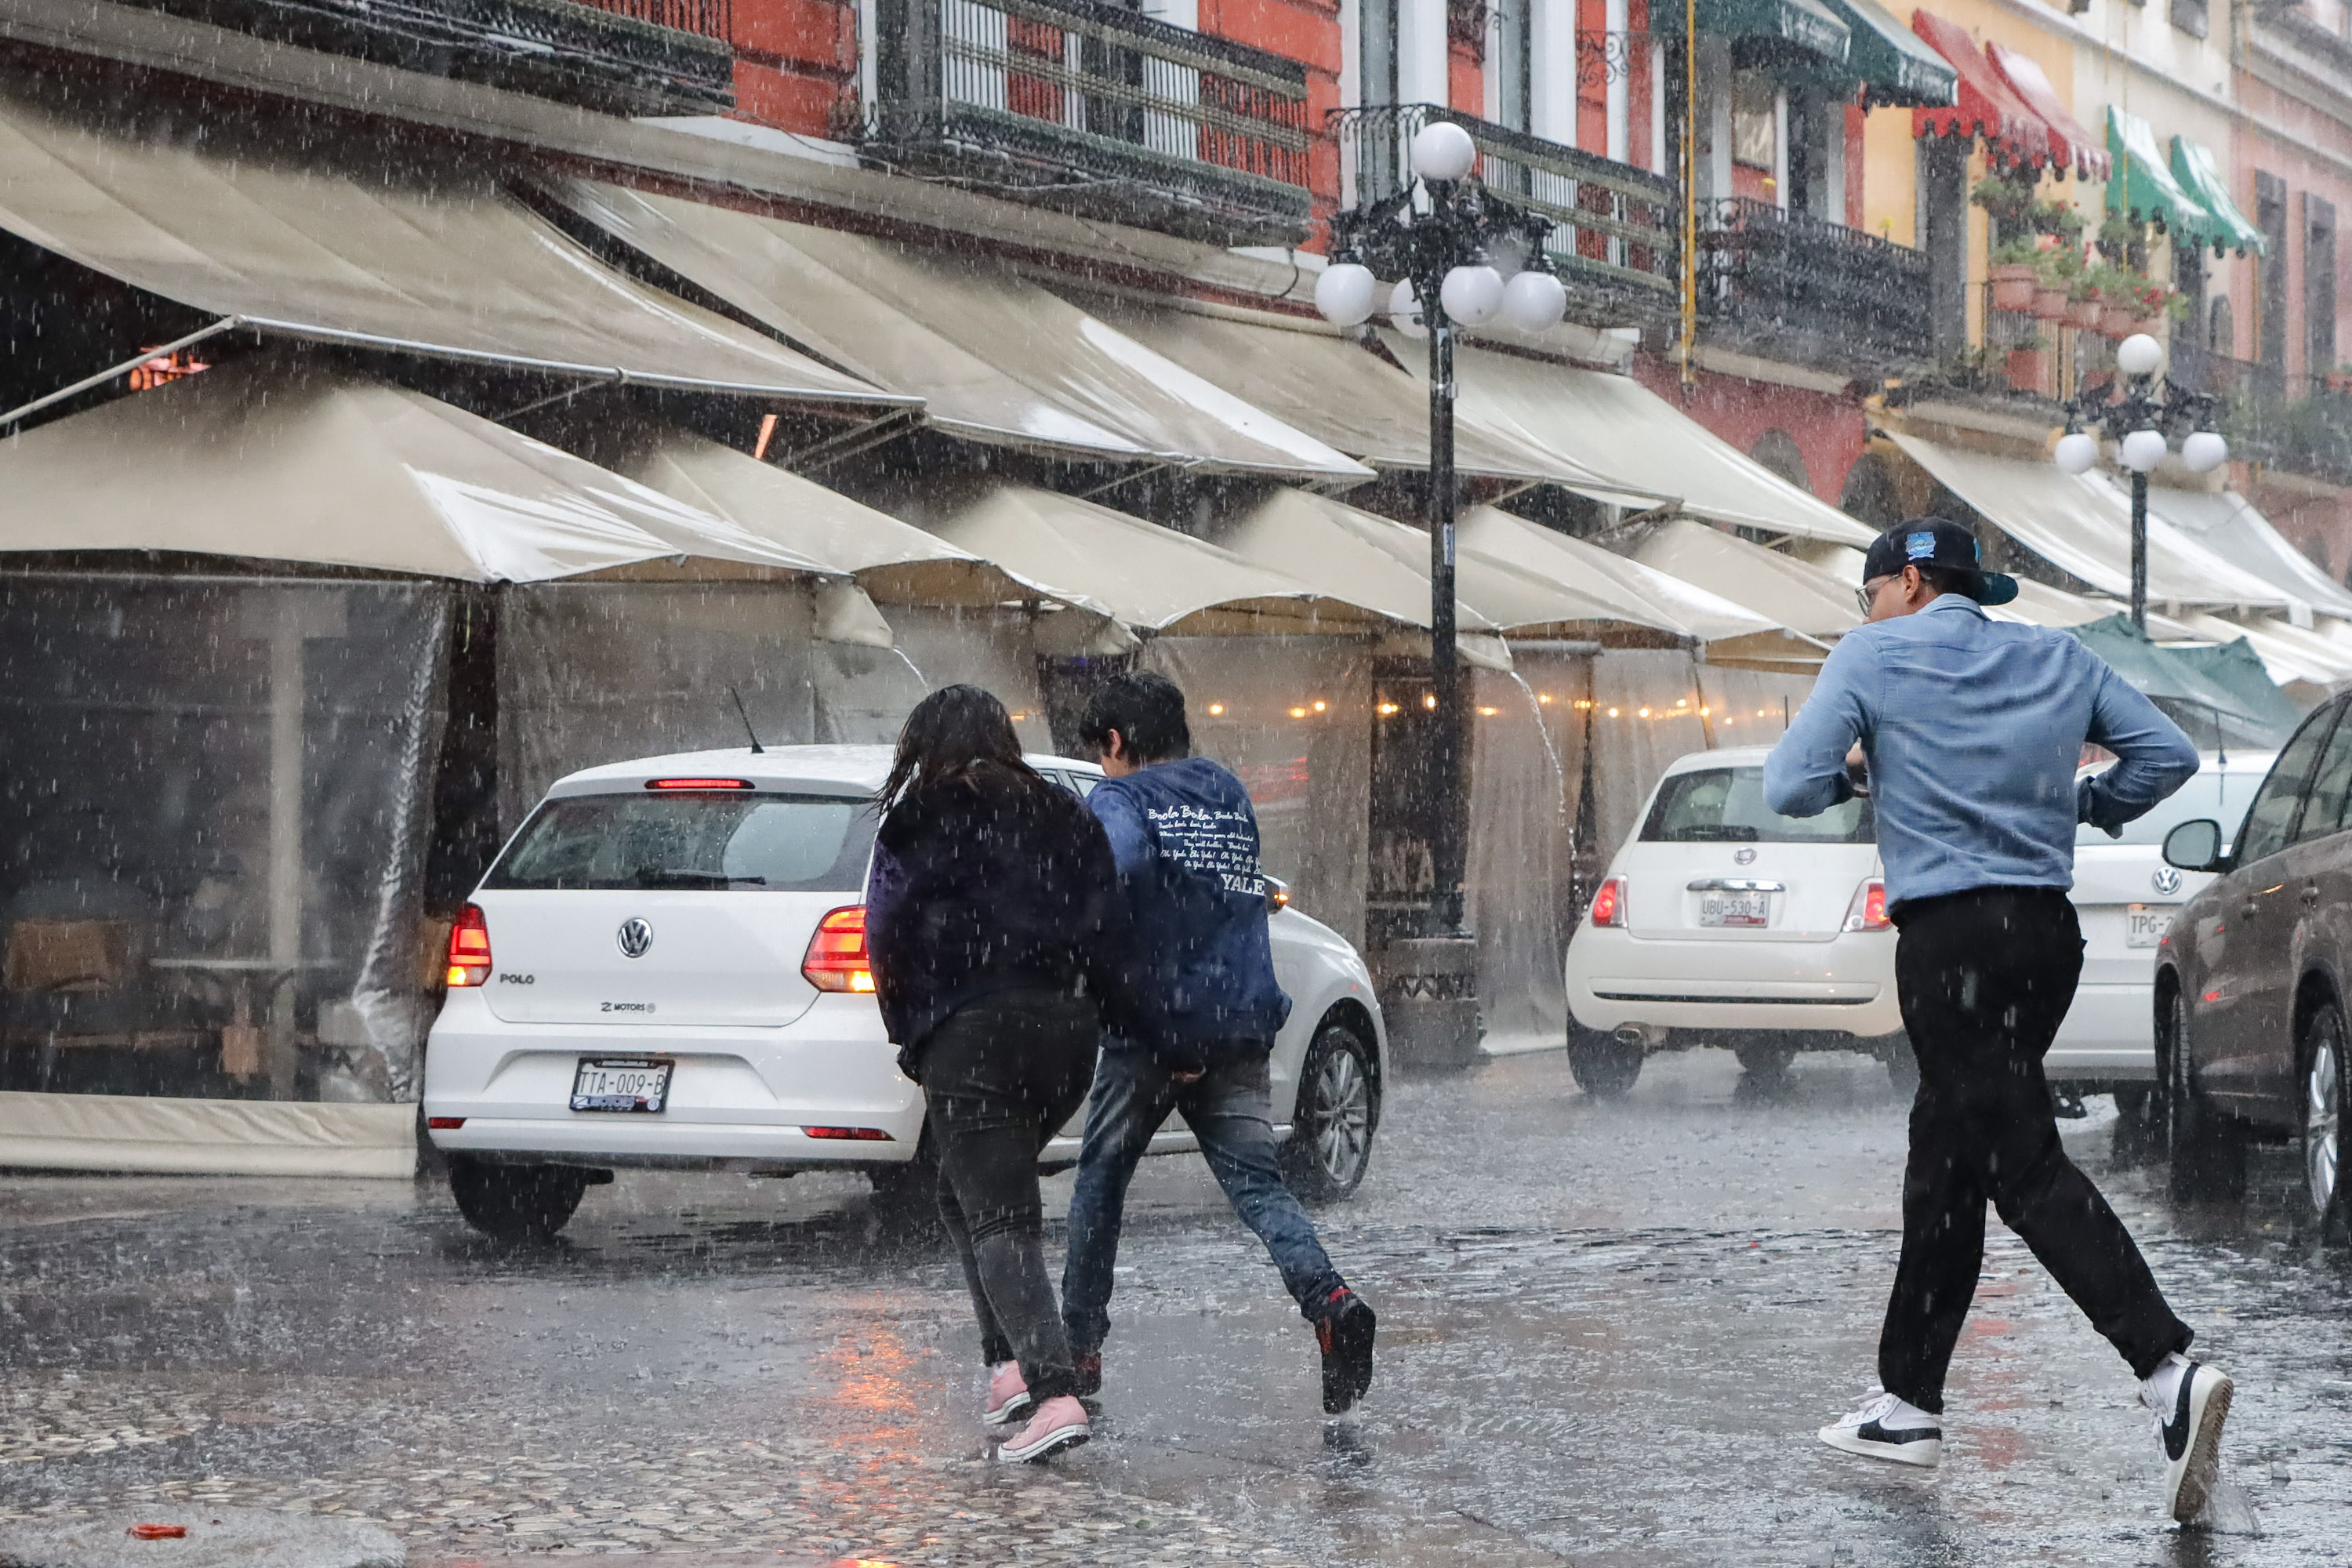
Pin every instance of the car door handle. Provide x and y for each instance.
(2311, 895)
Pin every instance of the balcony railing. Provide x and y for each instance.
(623, 57)
(1791, 284)
(1099, 109)
(1613, 235)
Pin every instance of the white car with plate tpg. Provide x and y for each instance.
(1723, 923)
(665, 967)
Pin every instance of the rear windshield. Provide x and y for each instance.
(733, 842)
(2211, 793)
(1726, 805)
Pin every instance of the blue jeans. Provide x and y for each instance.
(1230, 1112)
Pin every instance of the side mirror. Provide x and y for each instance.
(2194, 846)
(1277, 895)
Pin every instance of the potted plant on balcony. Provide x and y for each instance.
(2056, 269)
(2119, 301)
(2012, 274)
(2082, 303)
(2026, 363)
(2009, 203)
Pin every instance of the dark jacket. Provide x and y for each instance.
(1185, 840)
(987, 882)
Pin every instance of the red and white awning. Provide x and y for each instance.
(2013, 134)
(2071, 146)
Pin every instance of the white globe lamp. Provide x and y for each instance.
(2139, 355)
(1472, 294)
(1443, 150)
(2077, 452)
(1534, 301)
(2204, 451)
(1405, 310)
(2143, 450)
(1346, 293)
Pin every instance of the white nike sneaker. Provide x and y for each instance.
(1888, 1427)
(2189, 1401)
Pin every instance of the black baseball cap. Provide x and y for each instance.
(1937, 542)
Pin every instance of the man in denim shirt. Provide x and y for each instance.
(1972, 731)
(1205, 1011)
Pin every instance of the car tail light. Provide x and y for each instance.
(469, 949)
(444, 1123)
(836, 957)
(1868, 909)
(856, 1134)
(1609, 903)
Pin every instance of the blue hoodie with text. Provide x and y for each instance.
(1202, 983)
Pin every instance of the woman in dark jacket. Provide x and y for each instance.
(989, 921)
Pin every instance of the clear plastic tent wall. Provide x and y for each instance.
(216, 831)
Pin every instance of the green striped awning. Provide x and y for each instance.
(1806, 26)
(2193, 165)
(2142, 186)
(1894, 66)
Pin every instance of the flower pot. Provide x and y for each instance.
(2082, 315)
(2118, 321)
(2152, 325)
(2050, 304)
(2013, 286)
(2025, 369)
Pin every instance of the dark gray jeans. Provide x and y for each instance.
(999, 1077)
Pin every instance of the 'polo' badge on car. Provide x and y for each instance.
(2167, 880)
(1743, 857)
(636, 935)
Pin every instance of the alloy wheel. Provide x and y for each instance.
(1343, 1117)
(2323, 1130)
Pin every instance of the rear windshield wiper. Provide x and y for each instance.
(671, 876)
(1725, 833)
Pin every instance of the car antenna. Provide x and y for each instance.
(756, 748)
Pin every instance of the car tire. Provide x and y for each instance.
(1339, 1110)
(907, 1198)
(1604, 1067)
(2324, 1058)
(1764, 1064)
(2205, 1146)
(513, 1204)
(1902, 1067)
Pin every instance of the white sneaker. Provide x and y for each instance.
(2189, 1401)
(1888, 1427)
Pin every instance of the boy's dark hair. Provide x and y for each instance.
(1148, 711)
(1949, 580)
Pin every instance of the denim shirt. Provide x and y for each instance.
(1973, 729)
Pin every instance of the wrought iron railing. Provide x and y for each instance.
(1603, 56)
(630, 57)
(1802, 282)
(1614, 237)
(1094, 106)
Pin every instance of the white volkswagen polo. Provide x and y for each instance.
(665, 967)
(1724, 923)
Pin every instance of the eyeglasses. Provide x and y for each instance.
(1867, 595)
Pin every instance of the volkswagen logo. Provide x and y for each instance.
(636, 935)
(1743, 857)
(2167, 880)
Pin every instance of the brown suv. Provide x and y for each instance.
(2255, 978)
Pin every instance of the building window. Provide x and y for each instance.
(1514, 63)
(1943, 230)
(2319, 285)
(2189, 16)
(1379, 50)
(1755, 121)
(2270, 297)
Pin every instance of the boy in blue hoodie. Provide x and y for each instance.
(1206, 1008)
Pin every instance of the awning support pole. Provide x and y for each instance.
(1449, 850)
(227, 323)
(2139, 553)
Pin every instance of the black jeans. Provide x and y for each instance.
(999, 1077)
(1985, 978)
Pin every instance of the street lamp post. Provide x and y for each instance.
(1441, 238)
(2140, 422)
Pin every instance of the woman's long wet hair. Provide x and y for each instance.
(956, 731)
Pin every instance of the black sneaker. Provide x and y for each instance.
(1345, 1334)
(1088, 1365)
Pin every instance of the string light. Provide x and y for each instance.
(1320, 705)
(1387, 709)
(1216, 709)
(1488, 712)
(1430, 700)
(1612, 712)
(1298, 712)
(1646, 713)
(1545, 697)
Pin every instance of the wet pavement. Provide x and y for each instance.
(1608, 1332)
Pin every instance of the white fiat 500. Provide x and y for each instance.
(1723, 923)
(665, 967)
(2126, 896)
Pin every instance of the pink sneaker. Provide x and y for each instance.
(1008, 1393)
(1060, 1423)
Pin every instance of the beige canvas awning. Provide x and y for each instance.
(2229, 525)
(295, 248)
(1328, 384)
(1785, 590)
(1731, 633)
(994, 356)
(274, 460)
(2080, 526)
(2292, 658)
(1148, 578)
(1617, 427)
(894, 562)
